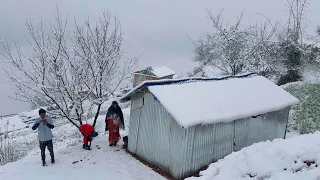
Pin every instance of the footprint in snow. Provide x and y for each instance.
(74, 162)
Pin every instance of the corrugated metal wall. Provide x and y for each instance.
(195, 147)
(181, 149)
(152, 133)
(265, 127)
(157, 138)
(135, 114)
(204, 136)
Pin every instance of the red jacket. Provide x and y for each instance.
(86, 129)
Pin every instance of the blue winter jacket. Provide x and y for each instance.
(44, 131)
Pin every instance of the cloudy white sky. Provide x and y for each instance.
(157, 28)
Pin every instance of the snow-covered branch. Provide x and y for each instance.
(234, 49)
(69, 73)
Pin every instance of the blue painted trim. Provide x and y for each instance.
(169, 82)
(145, 85)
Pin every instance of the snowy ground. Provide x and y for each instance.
(15, 123)
(72, 162)
(263, 160)
(24, 139)
(296, 158)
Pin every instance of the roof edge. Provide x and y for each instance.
(137, 73)
(145, 84)
(153, 67)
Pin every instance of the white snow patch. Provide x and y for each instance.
(311, 74)
(277, 160)
(208, 102)
(11, 123)
(162, 71)
(34, 113)
(298, 83)
(292, 134)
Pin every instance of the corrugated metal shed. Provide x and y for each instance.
(157, 138)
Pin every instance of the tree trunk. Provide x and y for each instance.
(79, 117)
(96, 116)
(72, 122)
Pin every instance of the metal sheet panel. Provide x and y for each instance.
(265, 127)
(181, 149)
(241, 134)
(143, 149)
(274, 124)
(203, 146)
(223, 140)
(197, 146)
(133, 130)
(153, 137)
(248, 131)
(134, 123)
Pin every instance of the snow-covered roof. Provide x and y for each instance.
(194, 100)
(145, 84)
(159, 71)
(208, 102)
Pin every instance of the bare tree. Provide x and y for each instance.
(297, 17)
(234, 49)
(293, 50)
(70, 73)
(99, 48)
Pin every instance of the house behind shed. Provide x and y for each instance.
(152, 73)
(183, 125)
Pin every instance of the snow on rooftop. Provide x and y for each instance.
(208, 102)
(144, 83)
(162, 71)
(159, 71)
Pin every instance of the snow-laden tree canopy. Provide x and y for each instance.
(70, 73)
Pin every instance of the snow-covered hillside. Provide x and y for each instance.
(297, 158)
(72, 162)
(24, 139)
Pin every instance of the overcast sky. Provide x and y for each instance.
(157, 28)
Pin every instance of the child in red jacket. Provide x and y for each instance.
(88, 133)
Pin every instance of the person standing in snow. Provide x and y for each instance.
(88, 133)
(115, 109)
(44, 124)
(114, 120)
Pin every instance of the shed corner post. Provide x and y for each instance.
(287, 112)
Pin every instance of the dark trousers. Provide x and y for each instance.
(43, 146)
(88, 140)
(90, 136)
